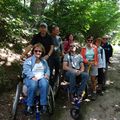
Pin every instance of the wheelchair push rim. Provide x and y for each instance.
(16, 100)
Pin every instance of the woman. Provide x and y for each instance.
(101, 65)
(36, 72)
(90, 58)
(68, 40)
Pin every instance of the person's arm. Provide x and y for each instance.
(83, 52)
(95, 56)
(82, 67)
(104, 59)
(27, 50)
(47, 70)
(27, 69)
(49, 53)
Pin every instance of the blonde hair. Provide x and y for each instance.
(39, 45)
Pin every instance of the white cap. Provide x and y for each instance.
(43, 24)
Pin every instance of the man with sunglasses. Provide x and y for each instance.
(74, 69)
(108, 53)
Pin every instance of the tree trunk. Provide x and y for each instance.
(38, 6)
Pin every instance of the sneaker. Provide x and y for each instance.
(93, 96)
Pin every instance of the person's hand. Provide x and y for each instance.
(47, 77)
(22, 58)
(34, 78)
(78, 72)
(91, 63)
(104, 70)
(46, 57)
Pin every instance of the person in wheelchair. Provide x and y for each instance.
(74, 69)
(36, 74)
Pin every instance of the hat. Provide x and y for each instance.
(105, 36)
(43, 24)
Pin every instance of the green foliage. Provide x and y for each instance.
(85, 16)
(80, 17)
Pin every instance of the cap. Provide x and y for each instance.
(105, 36)
(43, 24)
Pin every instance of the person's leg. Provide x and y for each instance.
(51, 66)
(100, 78)
(31, 87)
(71, 77)
(84, 77)
(105, 77)
(94, 73)
(57, 66)
(43, 86)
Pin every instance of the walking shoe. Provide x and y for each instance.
(93, 96)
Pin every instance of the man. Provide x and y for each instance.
(57, 52)
(108, 53)
(108, 48)
(44, 38)
(74, 68)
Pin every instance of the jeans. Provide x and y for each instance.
(71, 77)
(32, 86)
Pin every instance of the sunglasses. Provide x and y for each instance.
(89, 40)
(37, 51)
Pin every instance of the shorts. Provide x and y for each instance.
(93, 70)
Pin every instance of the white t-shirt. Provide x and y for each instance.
(38, 70)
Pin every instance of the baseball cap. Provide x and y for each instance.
(43, 24)
(105, 36)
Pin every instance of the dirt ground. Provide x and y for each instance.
(106, 107)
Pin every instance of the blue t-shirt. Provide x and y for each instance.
(89, 54)
(74, 61)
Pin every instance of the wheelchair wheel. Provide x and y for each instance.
(16, 100)
(56, 85)
(75, 112)
(51, 102)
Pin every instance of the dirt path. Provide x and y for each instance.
(106, 107)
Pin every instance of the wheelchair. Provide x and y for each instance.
(75, 108)
(20, 99)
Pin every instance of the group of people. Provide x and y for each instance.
(49, 52)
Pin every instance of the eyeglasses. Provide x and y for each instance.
(37, 51)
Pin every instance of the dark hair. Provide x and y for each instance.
(97, 39)
(89, 37)
(40, 46)
(53, 28)
(68, 35)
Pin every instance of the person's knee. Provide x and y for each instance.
(85, 75)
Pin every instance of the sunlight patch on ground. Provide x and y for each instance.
(108, 82)
(7, 56)
(93, 119)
